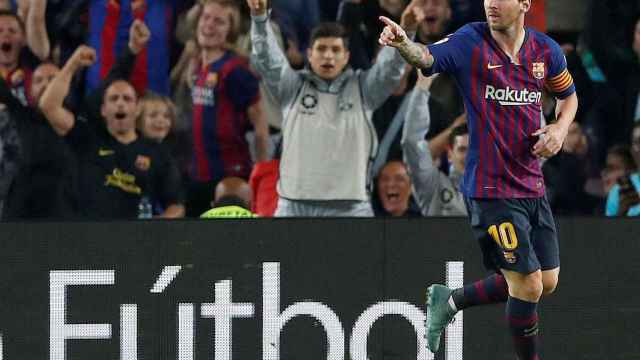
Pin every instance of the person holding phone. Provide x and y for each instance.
(624, 197)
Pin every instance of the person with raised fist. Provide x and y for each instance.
(117, 167)
(329, 140)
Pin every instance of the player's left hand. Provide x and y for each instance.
(551, 138)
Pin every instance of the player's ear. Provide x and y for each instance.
(525, 5)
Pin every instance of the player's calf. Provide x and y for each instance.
(522, 317)
(490, 290)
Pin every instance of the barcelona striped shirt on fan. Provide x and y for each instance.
(503, 99)
(222, 92)
(109, 23)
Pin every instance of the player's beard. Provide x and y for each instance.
(498, 27)
(504, 24)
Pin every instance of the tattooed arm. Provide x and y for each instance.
(414, 53)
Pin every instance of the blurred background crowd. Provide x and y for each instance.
(154, 108)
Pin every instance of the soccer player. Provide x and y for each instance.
(501, 68)
(117, 167)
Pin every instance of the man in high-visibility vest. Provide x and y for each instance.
(232, 199)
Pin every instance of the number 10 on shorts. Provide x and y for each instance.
(504, 235)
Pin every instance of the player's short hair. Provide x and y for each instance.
(624, 152)
(12, 14)
(329, 30)
(234, 17)
(459, 130)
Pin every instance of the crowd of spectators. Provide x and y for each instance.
(122, 109)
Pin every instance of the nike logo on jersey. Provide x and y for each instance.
(491, 67)
(105, 152)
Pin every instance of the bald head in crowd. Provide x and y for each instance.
(233, 191)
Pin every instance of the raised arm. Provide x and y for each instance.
(386, 72)
(37, 37)
(439, 143)
(139, 36)
(51, 102)
(394, 35)
(416, 149)
(267, 57)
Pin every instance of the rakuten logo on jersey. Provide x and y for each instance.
(512, 97)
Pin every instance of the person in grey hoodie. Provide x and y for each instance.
(436, 193)
(328, 137)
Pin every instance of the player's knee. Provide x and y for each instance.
(548, 289)
(549, 285)
(534, 290)
(528, 287)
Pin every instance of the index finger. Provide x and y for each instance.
(387, 21)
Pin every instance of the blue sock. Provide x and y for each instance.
(486, 291)
(523, 322)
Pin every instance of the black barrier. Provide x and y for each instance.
(304, 289)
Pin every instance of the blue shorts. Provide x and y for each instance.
(515, 234)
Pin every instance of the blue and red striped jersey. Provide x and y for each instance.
(503, 99)
(109, 23)
(221, 94)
